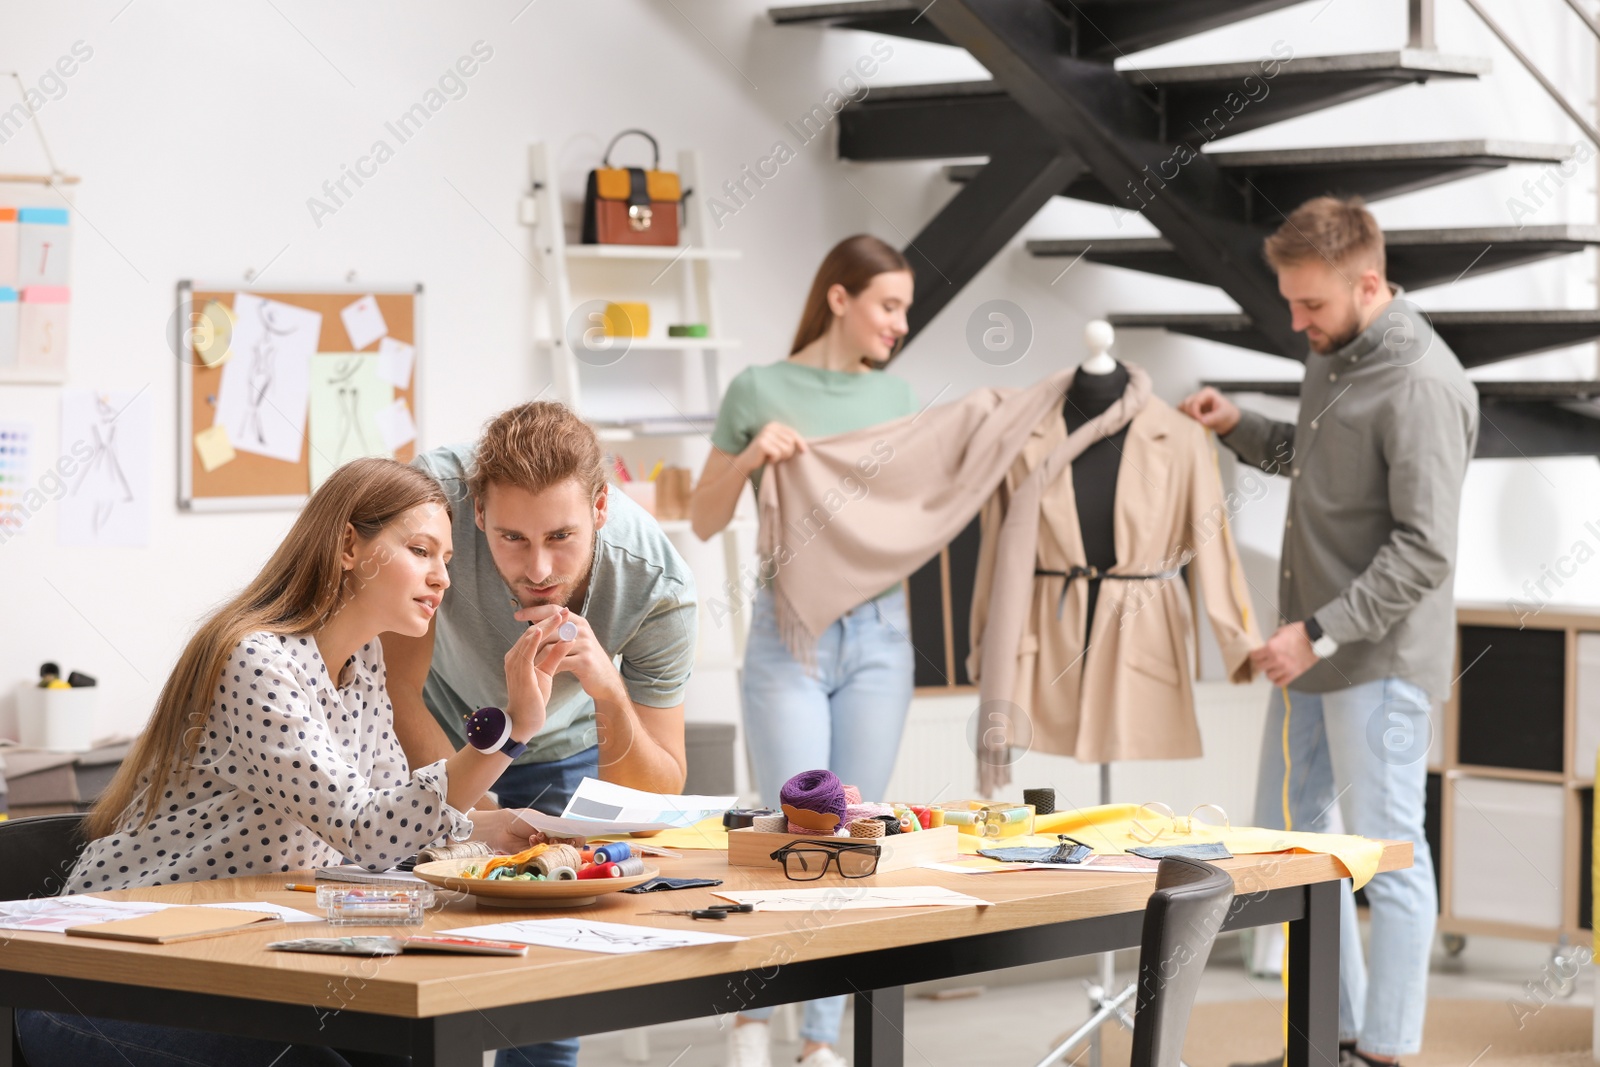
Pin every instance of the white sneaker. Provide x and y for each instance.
(749, 1045)
(824, 1057)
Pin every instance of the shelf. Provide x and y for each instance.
(666, 426)
(655, 252)
(664, 344)
(1506, 774)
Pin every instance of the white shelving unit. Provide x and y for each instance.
(653, 397)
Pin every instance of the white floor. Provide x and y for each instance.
(1014, 1019)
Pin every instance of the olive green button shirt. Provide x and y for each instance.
(1376, 460)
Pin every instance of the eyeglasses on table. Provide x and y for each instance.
(807, 861)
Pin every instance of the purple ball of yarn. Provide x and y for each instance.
(815, 791)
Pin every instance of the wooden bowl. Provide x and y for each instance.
(503, 894)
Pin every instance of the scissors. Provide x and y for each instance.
(716, 911)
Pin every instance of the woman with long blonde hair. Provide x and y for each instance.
(272, 744)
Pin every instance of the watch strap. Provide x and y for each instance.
(1313, 629)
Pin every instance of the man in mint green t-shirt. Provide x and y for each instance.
(535, 530)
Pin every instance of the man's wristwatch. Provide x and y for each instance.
(489, 731)
(1323, 645)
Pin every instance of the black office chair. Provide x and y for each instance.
(1180, 926)
(39, 852)
(36, 855)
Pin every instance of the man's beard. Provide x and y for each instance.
(1336, 342)
(568, 585)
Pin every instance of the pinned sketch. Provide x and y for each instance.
(266, 383)
(16, 442)
(214, 448)
(347, 397)
(395, 425)
(363, 321)
(394, 362)
(589, 936)
(108, 498)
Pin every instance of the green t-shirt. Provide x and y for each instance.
(816, 402)
(640, 605)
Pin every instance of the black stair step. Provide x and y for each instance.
(1099, 29)
(1289, 177)
(1416, 258)
(1516, 420)
(947, 120)
(1477, 338)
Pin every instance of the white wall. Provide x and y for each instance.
(201, 130)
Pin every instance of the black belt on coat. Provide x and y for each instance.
(1095, 574)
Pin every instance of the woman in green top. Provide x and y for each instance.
(845, 713)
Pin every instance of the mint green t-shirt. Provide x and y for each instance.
(640, 605)
(814, 401)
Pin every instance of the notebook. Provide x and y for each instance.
(354, 872)
(178, 924)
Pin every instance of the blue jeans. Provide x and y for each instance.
(845, 715)
(51, 1040)
(1366, 749)
(545, 787)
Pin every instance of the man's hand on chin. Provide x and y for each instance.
(1286, 655)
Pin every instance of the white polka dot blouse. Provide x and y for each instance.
(294, 771)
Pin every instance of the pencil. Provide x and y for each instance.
(301, 888)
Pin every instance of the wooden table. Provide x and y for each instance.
(445, 1010)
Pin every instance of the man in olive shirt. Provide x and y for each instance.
(1387, 424)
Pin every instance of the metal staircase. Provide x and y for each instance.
(1057, 119)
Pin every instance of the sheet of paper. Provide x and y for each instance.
(108, 496)
(346, 398)
(16, 446)
(597, 800)
(288, 915)
(585, 828)
(267, 381)
(395, 359)
(395, 426)
(214, 448)
(363, 322)
(212, 334)
(54, 915)
(589, 936)
(851, 897)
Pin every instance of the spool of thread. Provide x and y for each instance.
(599, 870)
(962, 818)
(557, 858)
(739, 818)
(562, 874)
(456, 850)
(866, 828)
(612, 853)
(1043, 800)
(628, 868)
(770, 824)
(818, 790)
(891, 824)
(852, 795)
(865, 811)
(935, 815)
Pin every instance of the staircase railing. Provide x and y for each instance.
(1556, 94)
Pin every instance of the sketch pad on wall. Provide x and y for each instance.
(277, 388)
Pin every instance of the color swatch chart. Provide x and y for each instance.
(16, 441)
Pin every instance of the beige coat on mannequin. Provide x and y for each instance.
(1131, 695)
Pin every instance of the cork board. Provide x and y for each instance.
(250, 480)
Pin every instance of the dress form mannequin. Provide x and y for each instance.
(1099, 383)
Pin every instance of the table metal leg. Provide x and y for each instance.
(9, 1052)
(446, 1041)
(1314, 980)
(881, 1027)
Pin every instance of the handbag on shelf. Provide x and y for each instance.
(631, 205)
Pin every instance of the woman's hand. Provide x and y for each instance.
(773, 443)
(530, 669)
(500, 828)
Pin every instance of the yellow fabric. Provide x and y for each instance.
(1109, 828)
(707, 833)
(614, 184)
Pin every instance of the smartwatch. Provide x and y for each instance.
(1323, 645)
(489, 731)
